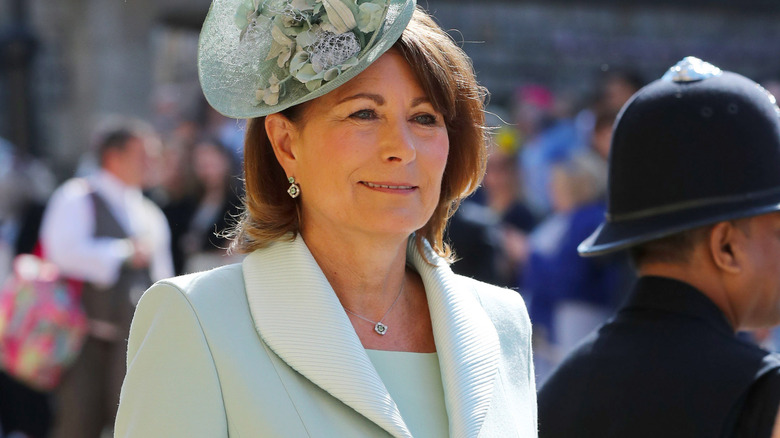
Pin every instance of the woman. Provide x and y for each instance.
(503, 189)
(203, 245)
(344, 319)
(569, 295)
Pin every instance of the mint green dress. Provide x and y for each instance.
(414, 382)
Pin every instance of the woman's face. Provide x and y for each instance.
(369, 156)
(501, 177)
(562, 190)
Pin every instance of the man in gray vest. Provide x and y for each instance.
(694, 195)
(101, 230)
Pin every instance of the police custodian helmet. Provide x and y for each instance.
(696, 147)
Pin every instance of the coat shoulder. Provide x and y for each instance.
(505, 307)
(208, 287)
(492, 295)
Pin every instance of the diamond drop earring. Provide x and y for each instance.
(294, 189)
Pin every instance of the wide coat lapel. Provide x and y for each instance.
(299, 317)
(466, 341)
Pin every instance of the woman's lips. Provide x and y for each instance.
(388, 186)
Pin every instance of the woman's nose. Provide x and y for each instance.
(398, 142)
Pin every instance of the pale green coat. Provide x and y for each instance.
(264, 349)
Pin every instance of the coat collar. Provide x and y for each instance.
(300, 318)
(674, 296)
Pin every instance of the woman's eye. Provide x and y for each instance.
(425, 119)
(365, 114)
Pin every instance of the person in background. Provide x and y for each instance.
(569, 296)
(177, 193)
(548, 136)
(617, 86)
(612, 90)
(503, 195)
(601, 137)
(344, 319)
(102, 231)
(229, 132)
(204, 244)
(198, 190)
(769, 338)
(25, 185)
(694, 196)
(488, 232)
(475, 236)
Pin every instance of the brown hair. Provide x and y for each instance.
(447, 77)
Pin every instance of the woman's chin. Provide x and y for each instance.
(401, 227)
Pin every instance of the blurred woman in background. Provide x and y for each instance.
(570, 295)
(204, 245)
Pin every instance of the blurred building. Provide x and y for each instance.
(566, 44)
(91, 57)
(94, 58)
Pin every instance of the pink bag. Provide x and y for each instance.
(42, 323)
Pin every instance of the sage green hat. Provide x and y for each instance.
(257, 57)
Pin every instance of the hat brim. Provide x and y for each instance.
(231, 70)
(612, 236)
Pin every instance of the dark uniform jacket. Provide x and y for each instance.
(668, 365)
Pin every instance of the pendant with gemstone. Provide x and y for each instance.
(380, 328)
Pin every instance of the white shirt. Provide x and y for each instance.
(67, 230)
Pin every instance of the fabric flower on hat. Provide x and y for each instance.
(370, 15)
(269, 95)
(303, 5)
(313, 41)
(246, 15)
(340, 14)
(281, 46)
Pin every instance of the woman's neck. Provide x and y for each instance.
(366, 272)
(369, 276)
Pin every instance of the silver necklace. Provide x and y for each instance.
(379, 326)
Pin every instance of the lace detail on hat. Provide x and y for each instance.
(330, 50)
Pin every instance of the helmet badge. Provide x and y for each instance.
(691, 69)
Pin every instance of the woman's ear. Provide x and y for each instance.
(282, 133)
(725, 245)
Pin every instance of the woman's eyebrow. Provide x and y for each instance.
(375, 97)
(420, 100)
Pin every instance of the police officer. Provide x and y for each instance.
(694, 195)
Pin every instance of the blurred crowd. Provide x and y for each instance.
(191, 170)
(543, 194)
(149, 200)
